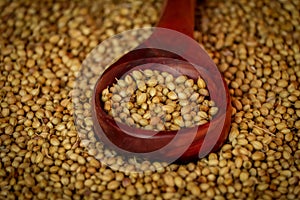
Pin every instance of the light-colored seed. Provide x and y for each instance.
(81, 160)
(136, 117)
(149, 127)
(262, 186)
(128, 79)
(257, 145)
(179, 121)
(197, 118)
(144, 122)
(204, 92)
(116, 98)
(26, 98)
(194, 96)
(113, 185)
(160, 127)
(258, 155)
(202, 114)
(15, 148)
(168, 108)
(169, 180)
(130, 90)
(169, 78)
(147, 115)
(155, 99)
(154, 120)
(54, 141)
(137, 75)
(130, 121)
(152, 92)
(186, 109)
(201, 122)
(165, 91)
(181, 79)
(129, 105)
(122, 83)
(131, 191)
(244, 176)
(54, 177)
(187, 117)
(148, 72)
(204, 186)
(182, 95)
(213, 110)
(29, 180)
(172, 95)
(35, 92)
(141, 98)
(141, 86)
(183, 102)
(171, 86)
(201, 83)
(179, 182)
(152, 82)
(189, 83)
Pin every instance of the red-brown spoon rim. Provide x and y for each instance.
(140, 134)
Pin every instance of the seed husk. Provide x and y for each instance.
(168, 108)
(141, 98)
(201, 83)
(172, 95)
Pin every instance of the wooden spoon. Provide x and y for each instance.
(170, 48)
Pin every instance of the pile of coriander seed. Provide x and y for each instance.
(156, 100)
(46, 154)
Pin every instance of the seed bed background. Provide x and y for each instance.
(254, 43)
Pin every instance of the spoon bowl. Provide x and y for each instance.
(174, 51)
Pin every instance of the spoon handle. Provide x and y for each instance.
(178, 15)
